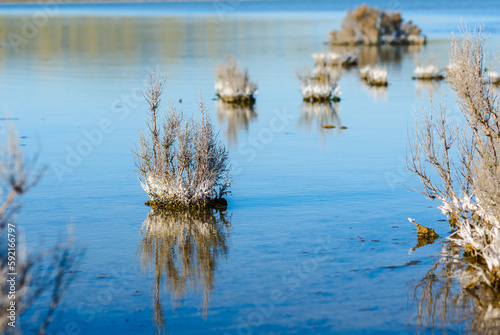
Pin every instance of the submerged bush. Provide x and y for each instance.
(320, 84)
(428, 72)
(233, 85)
(367, 25)
(374, 75)
(464, 158)
(180, 162)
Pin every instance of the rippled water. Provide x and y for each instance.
(315, 238)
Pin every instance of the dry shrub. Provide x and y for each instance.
(334, 59)
(374, 75)
(494, 77)
(233, 85)
(181, 161)
(370, 26)
(458, 163)
(428, 72)
(320, 84)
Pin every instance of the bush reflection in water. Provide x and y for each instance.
(238, 118)
(441, 301)
(381, 54)
(322, 114)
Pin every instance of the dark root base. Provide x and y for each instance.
(239, 101)
(440, 77)
(326, 99)
(377, 84)
(219, 203)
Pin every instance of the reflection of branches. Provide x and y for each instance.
(387, 54)
(184, 247)
(238, 117)
(372, 26)
(426, 86)
(377, 92)
(322, 113)
(441, 302)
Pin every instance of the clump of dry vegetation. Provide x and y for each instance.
(320, 84)
(180, 161)
(334, 59)
(233, 85)
(374, 75)
(494, 77)
(457, 161)
(49, 267)
(372, 26)
(428, 72)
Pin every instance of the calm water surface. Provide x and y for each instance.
(315, 238)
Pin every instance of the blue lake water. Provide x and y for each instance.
(315, 238)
